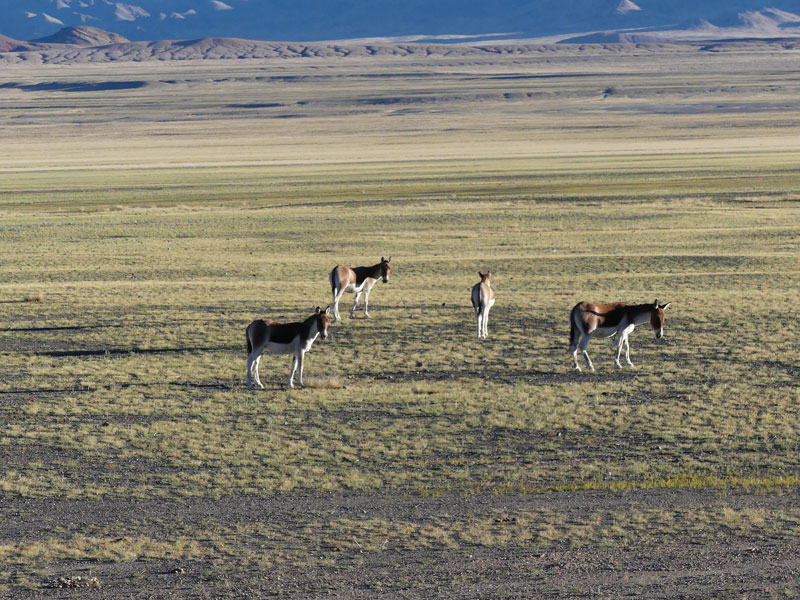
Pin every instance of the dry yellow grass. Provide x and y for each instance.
(155, 224)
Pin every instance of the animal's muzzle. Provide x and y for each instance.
(659, 334)
(385, 280)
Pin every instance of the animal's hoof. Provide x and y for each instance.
(630, 364)
(617, 365)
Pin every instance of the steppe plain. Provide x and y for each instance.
(150, 210)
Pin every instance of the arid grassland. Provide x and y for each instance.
(149, 212)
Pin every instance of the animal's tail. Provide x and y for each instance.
(477, 304)
(573, 329)
(249, 343)
(333, 283)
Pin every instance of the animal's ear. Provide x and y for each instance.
(317, 310)
(328, 309)
(383, 259)
(480, 274)
(389, 259)
(488, 274)
(666, 306)
(656, 303)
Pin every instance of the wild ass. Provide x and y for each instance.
(588, 319)
(361, 279)
(284, 338)
(482, 302)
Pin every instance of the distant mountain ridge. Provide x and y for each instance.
(32, 53)
(317, 20)
(769, 23)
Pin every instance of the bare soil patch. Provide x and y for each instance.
(677, 566)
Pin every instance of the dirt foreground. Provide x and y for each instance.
(679, 565)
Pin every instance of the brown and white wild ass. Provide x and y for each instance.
(359, 280)
(284, 338)
(588, 319)
(482, 302)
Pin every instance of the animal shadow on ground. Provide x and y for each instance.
(58, 328)
(77, 86)
(125, 351)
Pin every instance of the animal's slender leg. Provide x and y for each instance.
(294, 368)
(366, 301)
(352, 310)
(583, 344)
(620, 342)
(628, 351)
(588, 360)
(335, 303)
(249, 370)
(300, 364)
(574, 350)
(336, 297)
(478, 321)
(574, 339)
(255, 370)
(486, 321)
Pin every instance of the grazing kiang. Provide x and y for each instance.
(284, 338)
(482, 302)
(358, 280)
(588, 320)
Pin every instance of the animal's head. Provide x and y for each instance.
(322, 320)
(485, 276)
(386, 268)
(657, 317)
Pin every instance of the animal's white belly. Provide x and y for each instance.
(276, 348)
(605, 332)
(350, 287)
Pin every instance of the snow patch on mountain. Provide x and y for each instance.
(626, 6)
(52, 20)
(129, 12)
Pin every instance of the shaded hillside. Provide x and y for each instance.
(7, 44)
(83, 36)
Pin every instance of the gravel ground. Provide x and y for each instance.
(681, 567)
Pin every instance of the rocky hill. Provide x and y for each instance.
(7, 44)
(83, 36)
